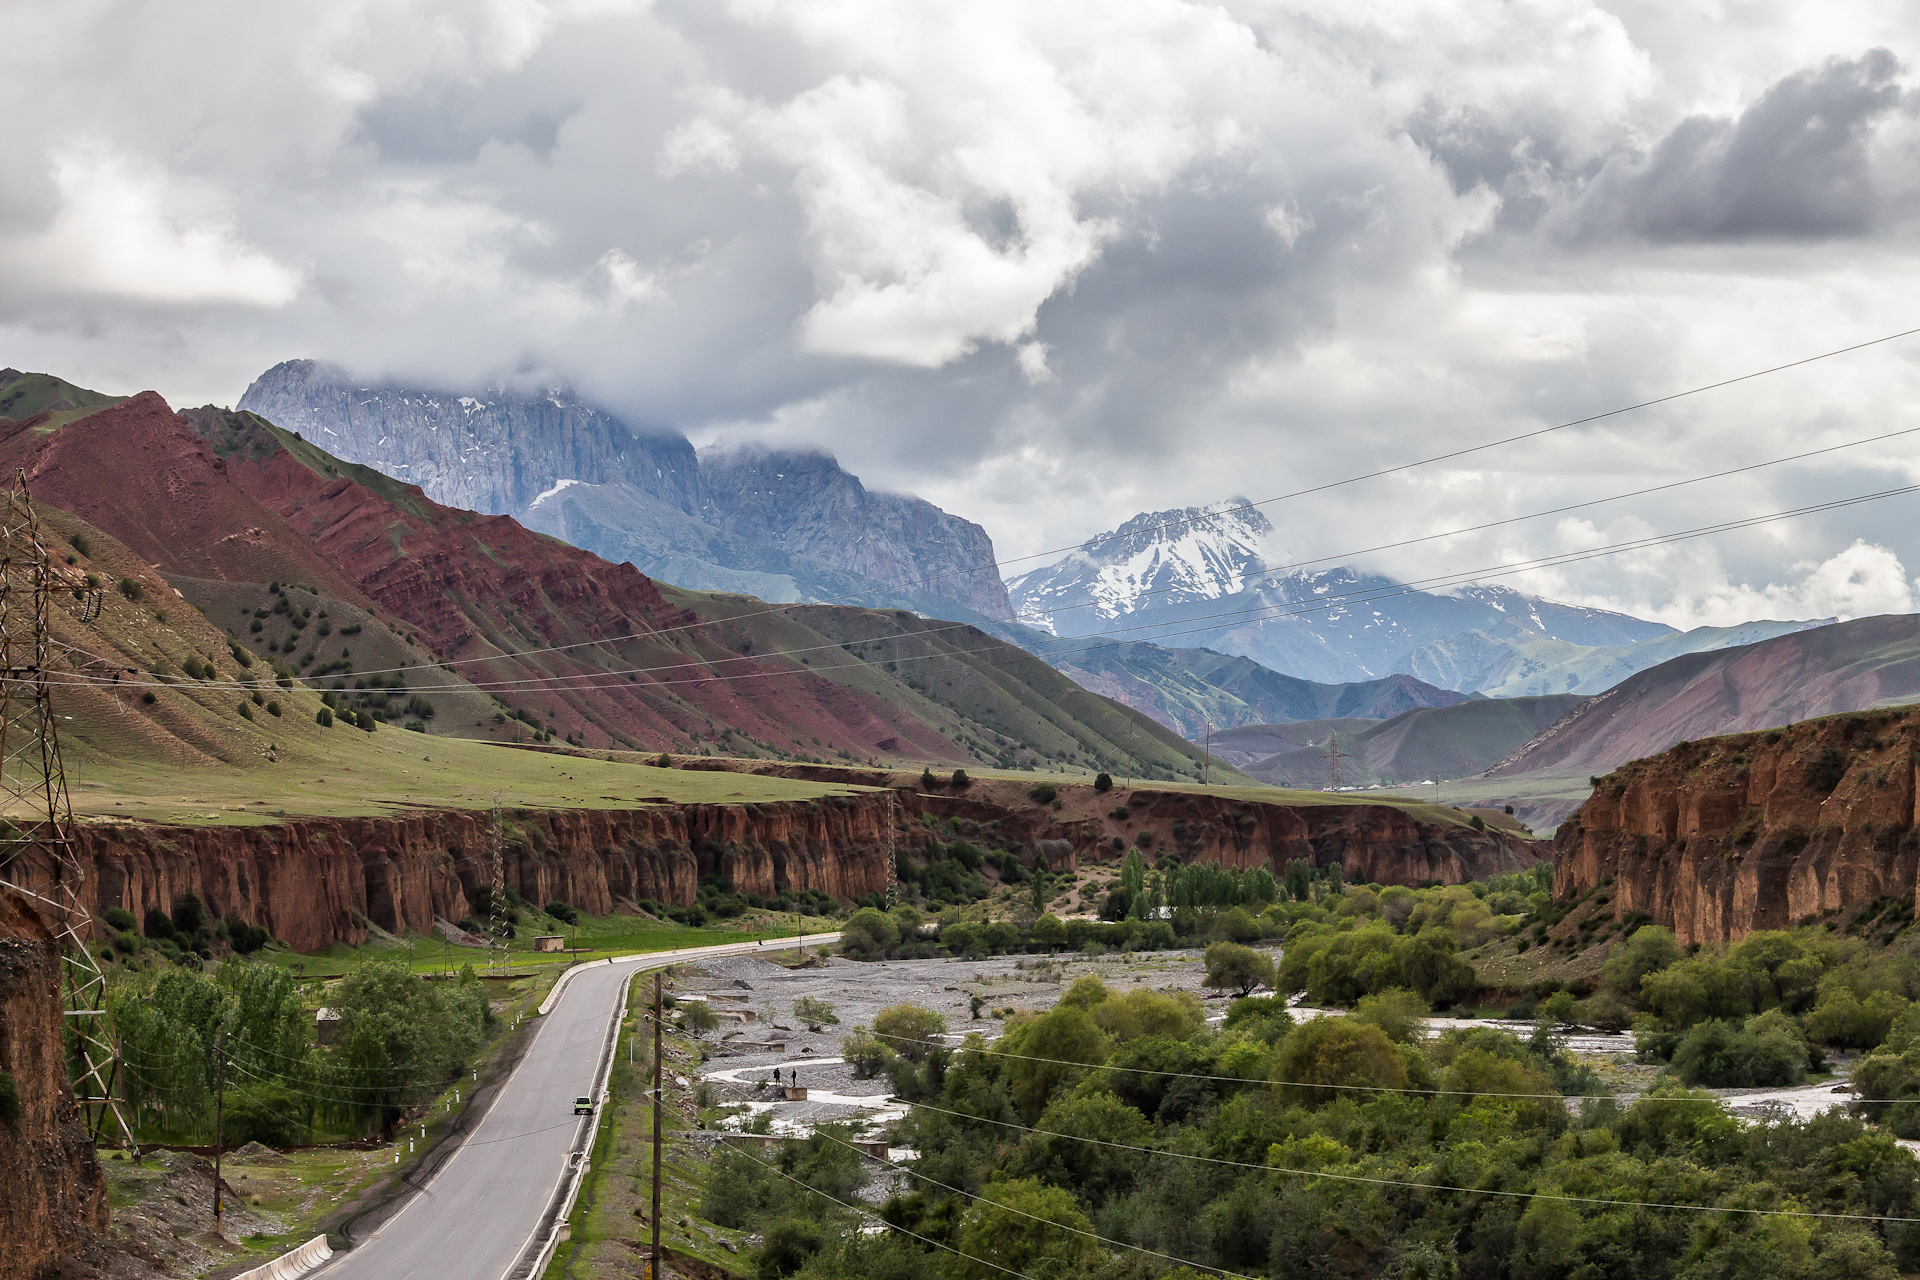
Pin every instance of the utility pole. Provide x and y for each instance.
(1130, 760)
(1334, 756)
(219, 1125)
(1206, 754)
(36, 835)
(653, 1271)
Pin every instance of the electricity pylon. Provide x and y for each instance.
(1334, 756)
(36, 814)
(497, 900)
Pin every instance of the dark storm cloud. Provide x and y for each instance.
(1797, 164)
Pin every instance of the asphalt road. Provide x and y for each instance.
(479, 1213)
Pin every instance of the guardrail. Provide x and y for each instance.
(293, 1263)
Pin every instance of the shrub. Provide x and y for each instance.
(324, 718)
(119, 919)
(869, 933)
(928, 782)
(188, 915)
(148, 697)
(131, 589)
(1398, 1012)
(246, 712)
(1233, 967)
(1767, 1050)
(913, 1031)
(79, 543)
(865, 1053)
(960, 779)
(158, 924)
(273, 708)
(790, 1242)
(815, 1012)
(696, 1017)
(1336, 1051)
(1045, 793)
(363, 720)
(663, 761)
(1103, 783)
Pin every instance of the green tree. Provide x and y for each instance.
(1339, 1052)
(698, 1017)
(789, 1243)
(910, 1030)
(865, 1052)
(869, 934)
(1051, 1052)
(1398, 1012)
(1233, 967)
(815, 1012)
(1049, 932)
(1024, 1228)
(1102, 783)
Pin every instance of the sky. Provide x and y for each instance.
(1050, 265)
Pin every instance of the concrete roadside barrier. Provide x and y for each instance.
(293, 1263)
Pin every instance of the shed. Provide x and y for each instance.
(326, 1026)
(549, 942)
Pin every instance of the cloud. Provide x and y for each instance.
(1797, 163)
(1047, 265)
(117, 234)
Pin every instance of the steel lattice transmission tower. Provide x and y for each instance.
(1334, 756)
(497, 900)
(35, 812)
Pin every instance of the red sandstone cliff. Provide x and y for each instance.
(52, 1195)
(315, 881)
(1753, 831)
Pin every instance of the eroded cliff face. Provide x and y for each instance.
(52, 1194)
(1716, 839)
(315, 881)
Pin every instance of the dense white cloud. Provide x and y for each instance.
(1046, 264)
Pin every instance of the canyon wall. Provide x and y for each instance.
(1718, 838)
(52, 1195)
(315, 881)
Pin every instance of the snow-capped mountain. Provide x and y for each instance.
(1200, 576)
(1155, 560)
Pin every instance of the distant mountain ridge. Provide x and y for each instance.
(786, 526)
(1419, 745)
(1848, 666)
(1476, 661)
(1201, 576)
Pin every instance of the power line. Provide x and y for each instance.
(868, 1213)
(551, 681)
(1093, 1235)
(1246, 614)
(1423, 1186)
(1305, 1084)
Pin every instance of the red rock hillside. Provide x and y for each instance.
(1721, 837)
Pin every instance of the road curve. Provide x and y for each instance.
(478, 1214)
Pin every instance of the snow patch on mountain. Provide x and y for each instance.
(1156, 558)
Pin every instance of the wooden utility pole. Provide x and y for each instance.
(653, 1272)
(1206, 754)
(219, 1125)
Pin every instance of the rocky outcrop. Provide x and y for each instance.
(805, 504)
(52, 1195)
(494, 451)
(315, 881)
(789, 526)
(1718, 838)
